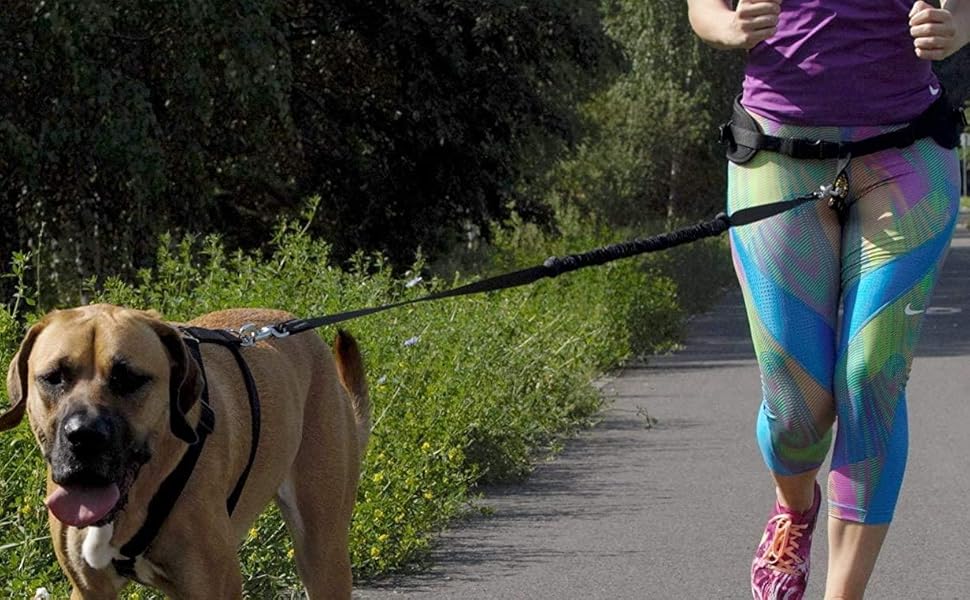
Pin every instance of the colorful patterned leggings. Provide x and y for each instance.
(820, 368)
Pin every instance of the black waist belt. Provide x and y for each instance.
(744, 136)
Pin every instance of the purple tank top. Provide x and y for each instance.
(839, 62)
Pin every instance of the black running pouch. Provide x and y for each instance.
(735, 152)
(943, 122)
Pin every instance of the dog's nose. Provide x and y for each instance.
(87, 434)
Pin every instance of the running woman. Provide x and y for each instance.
(840, 71)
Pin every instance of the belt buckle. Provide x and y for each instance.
(724, 134)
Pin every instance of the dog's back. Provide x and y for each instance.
(316, 413)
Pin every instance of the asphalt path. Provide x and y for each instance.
(667, 496)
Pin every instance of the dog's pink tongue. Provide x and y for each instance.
(79, 506)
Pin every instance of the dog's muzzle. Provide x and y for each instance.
(93, 464)
(87, 449)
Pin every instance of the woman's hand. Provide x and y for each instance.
(754, 22)
(751, 22)
(934, 31)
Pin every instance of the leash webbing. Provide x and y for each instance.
(162, 503)
(555, 266)
(552, 267)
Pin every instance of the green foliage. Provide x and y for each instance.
(122, 121)
(653, 151)
(464, 391)
(411, 120)
(444, 108)
(24, 540)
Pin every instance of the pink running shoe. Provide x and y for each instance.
(780, 567)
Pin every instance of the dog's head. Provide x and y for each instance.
(100, 385)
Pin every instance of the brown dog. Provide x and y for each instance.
(107, 389)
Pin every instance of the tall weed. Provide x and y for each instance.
(463, 390)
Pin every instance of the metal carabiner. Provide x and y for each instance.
(836, 195)
(250, 333)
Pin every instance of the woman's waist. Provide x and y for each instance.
(840, 97)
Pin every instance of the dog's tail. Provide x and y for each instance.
(350, 370)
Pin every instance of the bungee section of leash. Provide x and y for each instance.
(834, 194)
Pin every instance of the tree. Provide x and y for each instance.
(654, 152)
(422, 118)
(120, 121)
(411, 120)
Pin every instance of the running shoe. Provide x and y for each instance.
(780, 567)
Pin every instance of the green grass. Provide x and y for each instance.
(464, 391)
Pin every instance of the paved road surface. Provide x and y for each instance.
(674, 511)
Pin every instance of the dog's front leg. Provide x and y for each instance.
(94, 594)
(95, 585)
(87, 583)
(95, 588)
(207, 569)
(208, 582)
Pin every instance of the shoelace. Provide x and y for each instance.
(781, 554)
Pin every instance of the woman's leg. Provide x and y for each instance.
(893, 246)
(853, 549)
(789, 270)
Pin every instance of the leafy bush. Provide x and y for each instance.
(463, 390)
(411, 119)
(652, 154)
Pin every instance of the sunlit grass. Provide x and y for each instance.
(464, 391)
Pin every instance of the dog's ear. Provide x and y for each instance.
(185, 381)
(17, 380)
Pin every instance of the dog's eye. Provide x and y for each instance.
(124, 381)
(53, 378)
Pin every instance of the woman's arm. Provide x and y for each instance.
(752, 21)
(939, 32)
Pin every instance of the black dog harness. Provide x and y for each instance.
(164, 500)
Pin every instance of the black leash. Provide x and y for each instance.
(168, 493)
(835, 194)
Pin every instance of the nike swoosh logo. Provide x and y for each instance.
(934, 91)
(909, 310)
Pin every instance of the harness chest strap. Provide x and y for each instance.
(162, 503)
